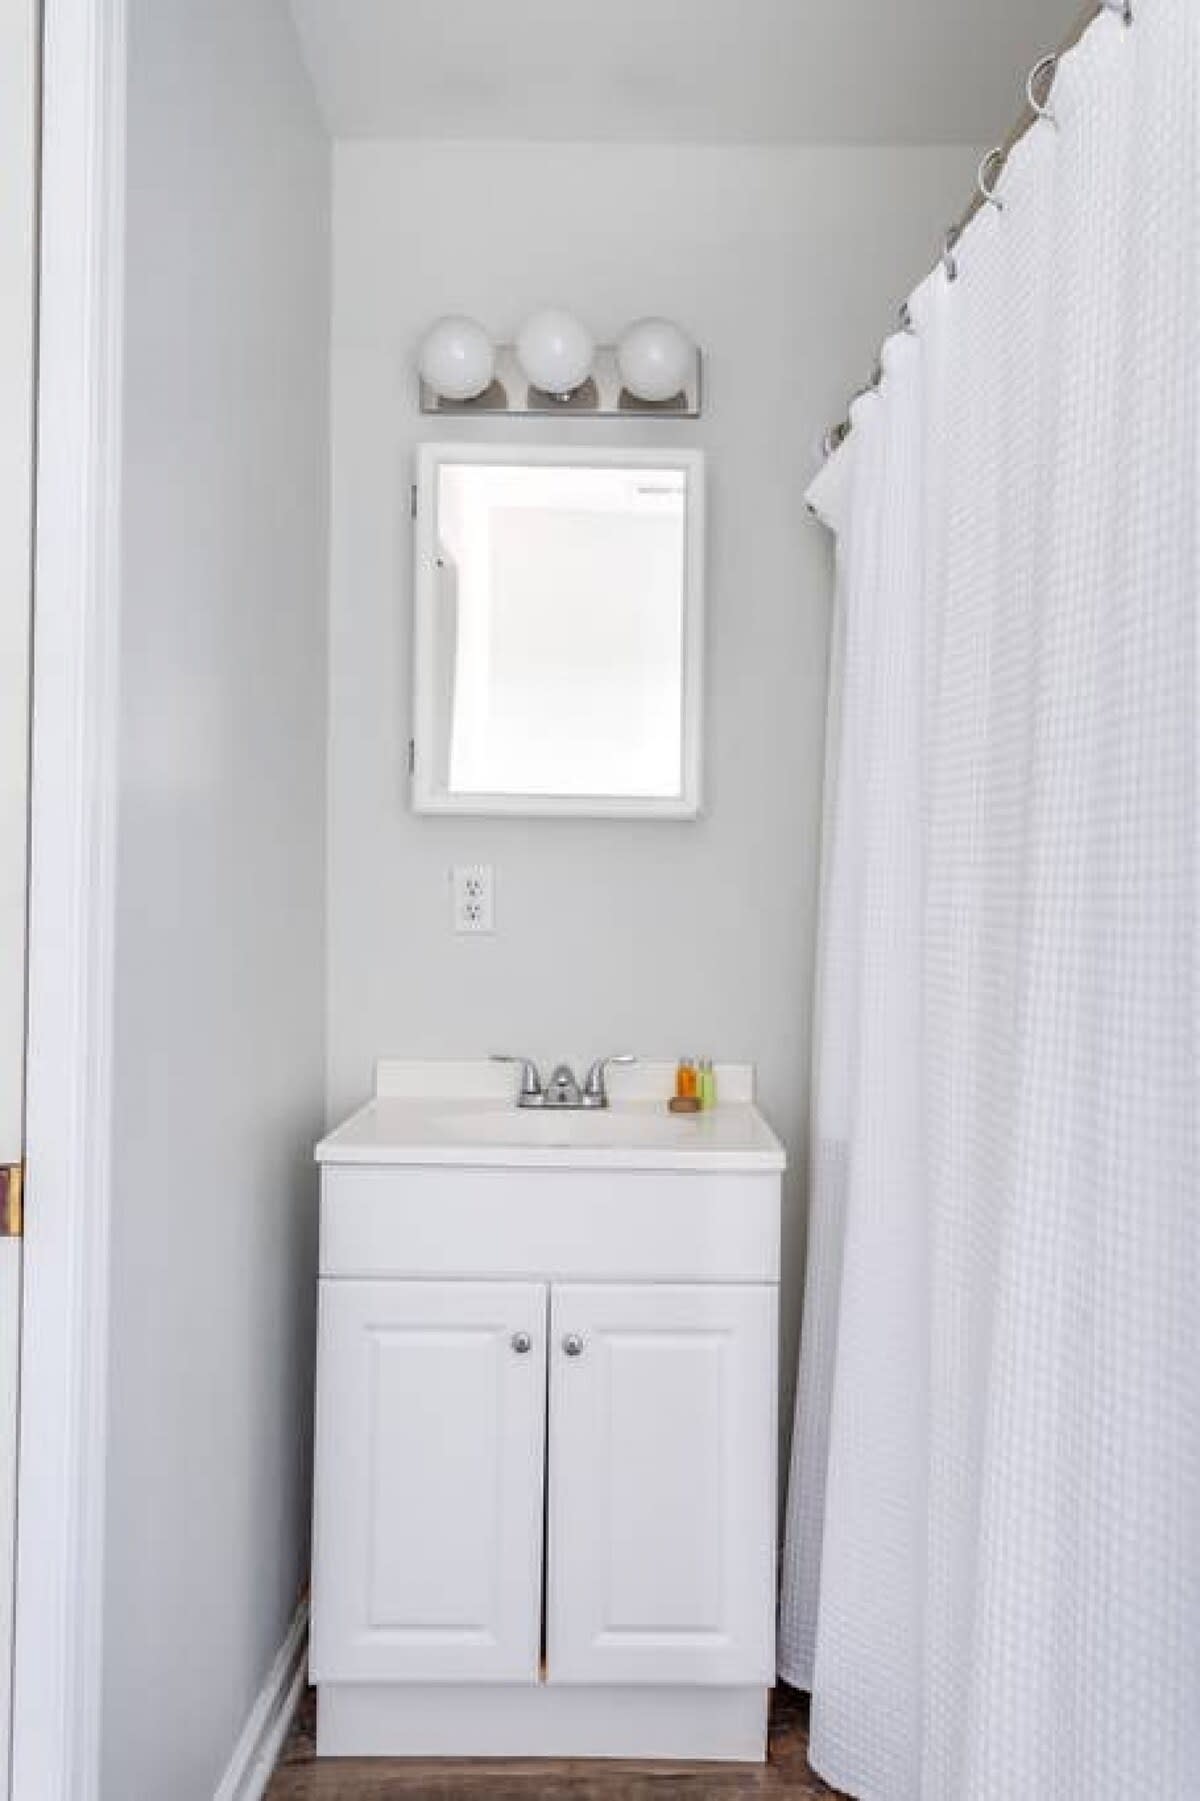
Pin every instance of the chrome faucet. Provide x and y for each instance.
(595, 1089)
(531, 1094)
(563, 1091)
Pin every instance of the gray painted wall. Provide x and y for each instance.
(787, 265)
(220, 952)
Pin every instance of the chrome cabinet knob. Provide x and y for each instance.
(573, 1345)
(522, 1343)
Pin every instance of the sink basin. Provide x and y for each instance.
(557, 1128)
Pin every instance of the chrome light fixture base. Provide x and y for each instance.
(602, 396)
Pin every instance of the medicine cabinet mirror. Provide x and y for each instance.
(559, 631)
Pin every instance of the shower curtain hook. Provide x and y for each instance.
(873, 386)
(906, 321)
(949, 260)
(994, 160)
(1047, 67)
(1124, 7)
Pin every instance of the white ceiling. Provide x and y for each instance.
(742, 71)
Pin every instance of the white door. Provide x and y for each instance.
(663, 1432)
(19, 55)
(431, 1432)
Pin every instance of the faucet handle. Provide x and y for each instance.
(531, 1081)
(595, 1089)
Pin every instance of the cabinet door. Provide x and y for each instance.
(429, 1481)
(663, 1433)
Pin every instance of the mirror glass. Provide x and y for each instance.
(558, 634)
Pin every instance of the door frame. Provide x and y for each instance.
(20, 74)
(63, 1425)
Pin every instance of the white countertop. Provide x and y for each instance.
(465, 1116)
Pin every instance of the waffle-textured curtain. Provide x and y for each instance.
(992, 1579)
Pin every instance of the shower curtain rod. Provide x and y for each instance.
(1038, 90)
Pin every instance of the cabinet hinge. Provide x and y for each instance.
(412, 500)
(12, 1201)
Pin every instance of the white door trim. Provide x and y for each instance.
(75, 721)
(20, 37)
(20, 22)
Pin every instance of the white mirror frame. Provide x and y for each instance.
(427, 795)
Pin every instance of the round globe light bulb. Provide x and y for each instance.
(457, 359)
(555, 352)
(655, 358)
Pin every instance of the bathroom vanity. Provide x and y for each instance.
(546, 1423)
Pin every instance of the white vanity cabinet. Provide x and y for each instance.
(546, 1446)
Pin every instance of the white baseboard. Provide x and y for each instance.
(261, 1738)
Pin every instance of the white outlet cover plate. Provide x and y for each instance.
(473, 899)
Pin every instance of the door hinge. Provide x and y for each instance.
(412, 756)
(12, 1201)
(412, 500)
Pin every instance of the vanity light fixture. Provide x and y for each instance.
(655, 358)
(555, 366)
(556, 352)
(457, 360)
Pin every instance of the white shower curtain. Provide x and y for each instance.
(992, 1579)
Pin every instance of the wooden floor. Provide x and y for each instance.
(301, 1777)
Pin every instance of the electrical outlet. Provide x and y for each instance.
(473, 900)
